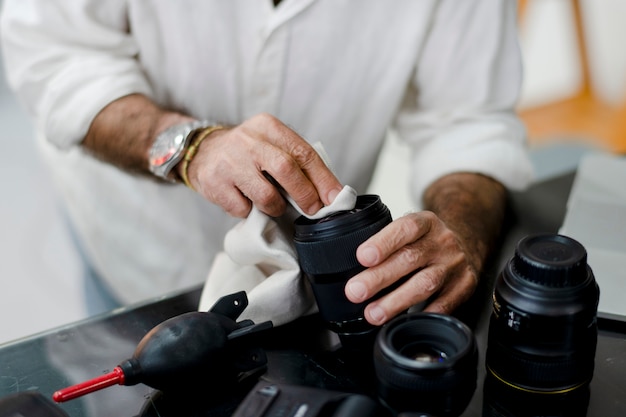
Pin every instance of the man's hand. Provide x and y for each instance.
(441, 251)
(232, 167)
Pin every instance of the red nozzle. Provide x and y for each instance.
(116, 376)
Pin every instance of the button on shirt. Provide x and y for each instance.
(444, 74)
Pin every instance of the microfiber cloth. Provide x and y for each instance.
(259, 258)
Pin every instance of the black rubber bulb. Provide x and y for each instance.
(174, 354)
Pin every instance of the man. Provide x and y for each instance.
(113, 84)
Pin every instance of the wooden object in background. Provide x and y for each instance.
(584, 116)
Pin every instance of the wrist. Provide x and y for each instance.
(197, 139)
(472, 206)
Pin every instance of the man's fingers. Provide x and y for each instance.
(416, 288)
(296, 165)
(453, 295)
(262, 190)
(399, 234)
(251, 163)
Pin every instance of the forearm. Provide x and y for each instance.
(122, 133)
(473, 206)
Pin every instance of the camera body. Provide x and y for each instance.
(280, 400)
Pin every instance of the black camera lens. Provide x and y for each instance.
(426, 363)
(327, 255)
(543, 328)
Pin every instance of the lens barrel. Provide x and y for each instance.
(327, 255)
(426, 363)
(543, 328)
(504, 400)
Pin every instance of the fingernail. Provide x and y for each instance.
(357, 289)
(369, 255)
(312, 210)
(333, 194)
(377, 314)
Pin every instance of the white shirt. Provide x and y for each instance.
(445, 74)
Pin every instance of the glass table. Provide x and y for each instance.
(301, 353)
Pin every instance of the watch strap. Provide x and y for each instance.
(192, 149)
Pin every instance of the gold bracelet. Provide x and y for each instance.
(193, 148)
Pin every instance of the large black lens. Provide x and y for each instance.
(327, 255)
(426, 362)
(543, 329)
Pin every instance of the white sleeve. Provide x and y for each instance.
(459, 112)
(66, 60)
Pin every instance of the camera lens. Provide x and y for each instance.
(327, 255)
(543, 329)
(427, 363)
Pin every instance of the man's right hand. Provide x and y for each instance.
(232, 166)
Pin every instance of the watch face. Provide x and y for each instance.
(168, 148)
(164, 151)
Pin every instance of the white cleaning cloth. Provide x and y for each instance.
(259, 258)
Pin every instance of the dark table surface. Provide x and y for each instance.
(300, 353)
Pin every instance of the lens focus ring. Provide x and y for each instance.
(336, 254)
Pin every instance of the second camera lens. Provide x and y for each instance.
(426, 363)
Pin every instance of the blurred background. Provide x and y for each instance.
(573, 101)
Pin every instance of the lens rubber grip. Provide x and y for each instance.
(337, 254)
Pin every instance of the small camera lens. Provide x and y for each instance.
(426, 363)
